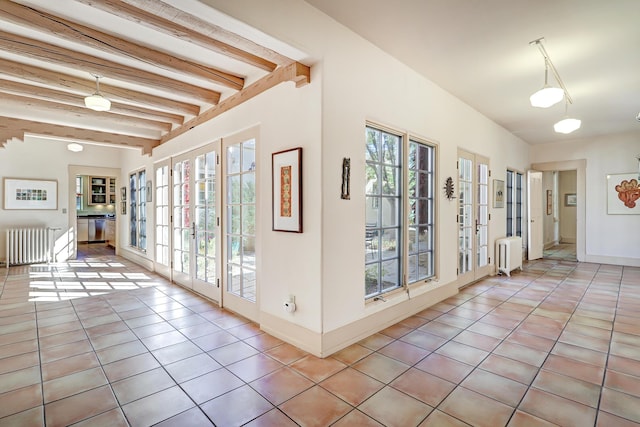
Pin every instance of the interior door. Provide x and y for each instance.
(240, 291)
(196, 221)
(473, 217)
(535, 225)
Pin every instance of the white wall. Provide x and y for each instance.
(360, 83)
(608, 237)
(49, 159)
(550, 229)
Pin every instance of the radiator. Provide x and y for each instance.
(28, 246)
(509, 251)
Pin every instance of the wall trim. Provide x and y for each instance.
(344, 336)
(612, 260)
(303, 338)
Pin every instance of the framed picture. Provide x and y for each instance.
(623, 194)
(498, 193)
(570, 199)
(123, 208)
(549, 202)
(123, 194)
(287, 190)
(149, 191)
(30, 194)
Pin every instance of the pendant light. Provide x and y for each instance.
(548, 95)
(568, 124)
(97, 102)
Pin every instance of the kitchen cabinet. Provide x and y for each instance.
(82, 227)
(102, 190)
(111, 232)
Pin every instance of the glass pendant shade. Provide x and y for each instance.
(546, 97)
(567, 125)
(97, 102)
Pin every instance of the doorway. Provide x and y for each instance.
(473, 217)
(206, 220)
(576, 199)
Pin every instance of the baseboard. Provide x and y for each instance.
(136, 257)
(418, 300)
(303, 338)
(599, 259)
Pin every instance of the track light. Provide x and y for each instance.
(97, 102)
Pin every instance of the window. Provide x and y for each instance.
(514, 203)
(78, 193)
(399, 238)
(138, 210)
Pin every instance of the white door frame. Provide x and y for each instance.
(580, 166)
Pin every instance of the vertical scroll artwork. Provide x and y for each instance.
(287, 190)
(346, 179)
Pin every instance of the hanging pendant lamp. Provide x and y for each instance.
(97, 102)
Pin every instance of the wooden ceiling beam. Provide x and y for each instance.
(68, 83)
(295, 72)
(45, 94)
(11, 126)
(202, 33)
(42, 51)
(72, 31)
(101, 119)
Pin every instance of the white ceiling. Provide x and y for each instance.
(479, 51)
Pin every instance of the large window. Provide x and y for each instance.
(399, 237)
(138, 210)
(514, 203)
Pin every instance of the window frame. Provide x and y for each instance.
(406, 228)
(138, 214)
(514, 203)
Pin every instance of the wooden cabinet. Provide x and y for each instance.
(102, 190)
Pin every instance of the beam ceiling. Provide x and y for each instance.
(50, 50)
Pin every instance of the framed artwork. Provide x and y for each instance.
(287, 190)
(30, 194)
(549, 202)
(123, 207)
(570, 199)
(623, 194)
(123, 194)
(498, 193)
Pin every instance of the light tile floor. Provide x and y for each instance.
(555, 344)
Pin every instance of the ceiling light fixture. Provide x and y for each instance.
(568, 124)
(76, 148)
(97, 102)
(548, 95)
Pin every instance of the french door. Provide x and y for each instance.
(240, 290)
(208, 242)
(473, 217)
(196, 221)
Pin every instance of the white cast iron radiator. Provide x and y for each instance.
(509, 250)
(28, 245)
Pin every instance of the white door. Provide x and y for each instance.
(196, 221)
(240, 290)
(535, 226)
(473, 217)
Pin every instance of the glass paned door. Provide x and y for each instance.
(473, 217)
(196, 221)
(241, 288)
(162, 258)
